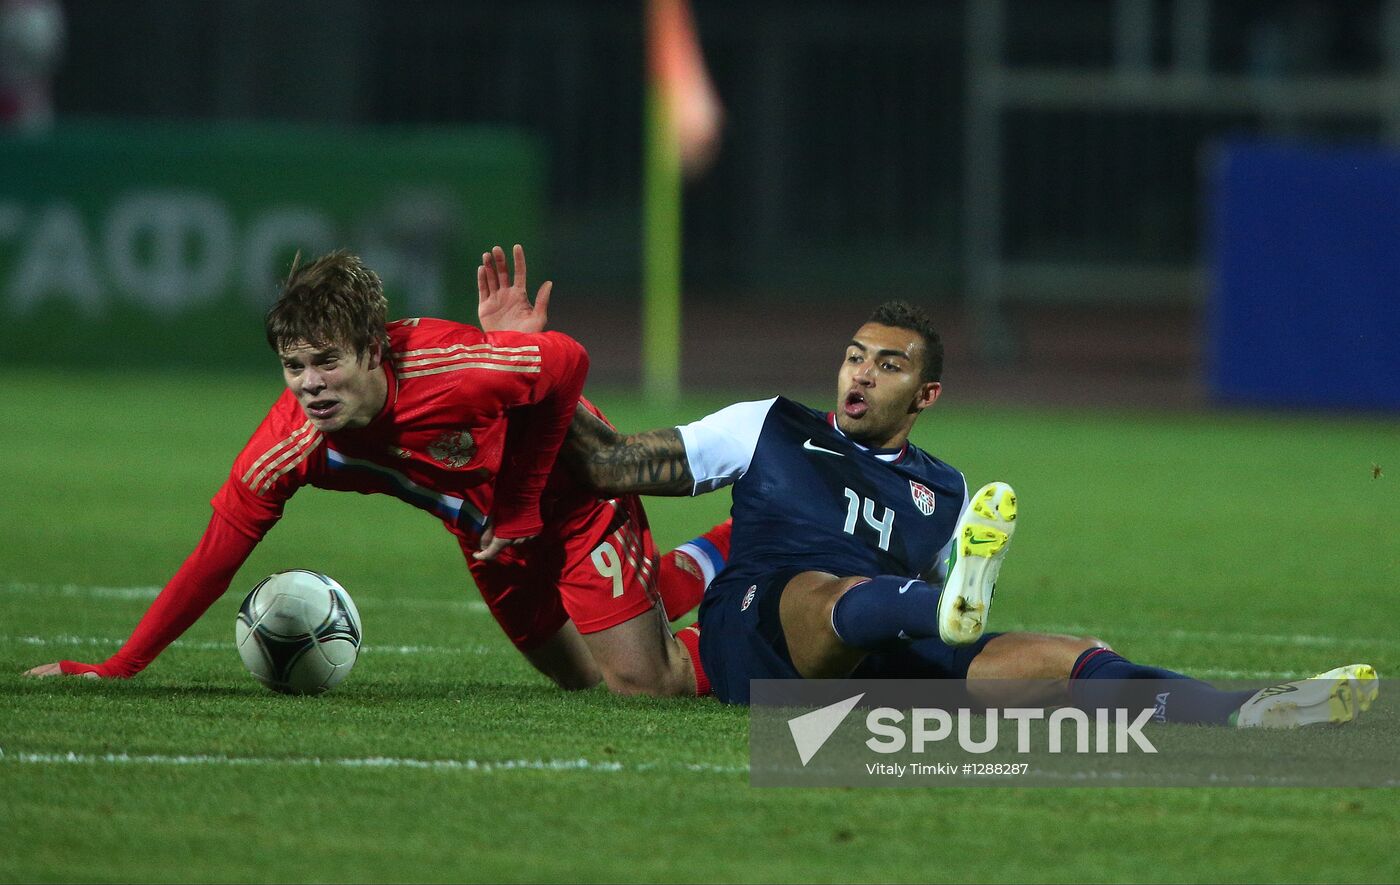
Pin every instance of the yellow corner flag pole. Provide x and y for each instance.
(682, 132)
(661, 254)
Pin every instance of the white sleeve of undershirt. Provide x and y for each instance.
(720, 446)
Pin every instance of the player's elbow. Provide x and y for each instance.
(570, 353)
(592, 453)
(605, 483)
(584, 465)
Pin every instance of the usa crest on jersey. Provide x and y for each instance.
(923, 497)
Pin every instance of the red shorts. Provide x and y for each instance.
(597, 566)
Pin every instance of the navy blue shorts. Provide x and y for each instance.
(741, 638)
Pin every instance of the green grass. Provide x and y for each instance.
(1206, 543)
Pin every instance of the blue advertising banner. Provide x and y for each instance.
(1305, 301)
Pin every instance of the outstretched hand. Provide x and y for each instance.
(503, 303)
(55, 669)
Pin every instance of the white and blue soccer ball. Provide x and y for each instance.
(298, 632)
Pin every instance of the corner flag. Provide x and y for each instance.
(682, 133)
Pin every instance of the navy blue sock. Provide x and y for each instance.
(1103, 679)
(922, 659)
(885, 612)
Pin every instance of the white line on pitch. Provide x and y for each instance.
(484, 766)
(1108, 633)
(492, 766)
(83, 590)
(1216, 673)
(100, 592)
(102, 641)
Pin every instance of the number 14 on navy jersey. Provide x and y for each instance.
(806, 496)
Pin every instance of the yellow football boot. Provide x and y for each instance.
(1337, 696)
(980, 541)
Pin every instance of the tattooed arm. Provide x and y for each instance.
(649, 463)
(691, 459)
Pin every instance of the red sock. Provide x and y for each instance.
(690, 638)
(681, 584)
(689, 569)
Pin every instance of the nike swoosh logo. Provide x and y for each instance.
(811, 448)
(981, 540)
(908, 585)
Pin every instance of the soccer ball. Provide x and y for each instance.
(298, 632)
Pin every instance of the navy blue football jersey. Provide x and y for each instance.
(806, 496)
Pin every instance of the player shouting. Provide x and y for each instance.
(854, 553)
(466, 425)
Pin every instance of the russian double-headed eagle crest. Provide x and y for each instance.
(454, 448)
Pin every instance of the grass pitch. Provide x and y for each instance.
(1221, 545)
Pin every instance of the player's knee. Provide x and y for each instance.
(1050, 656)
(810, 604)
(565, 661)
(664, 672)
(647, 680)
(574, 676)
(632, 683)
(575, 681)
(1086, 643)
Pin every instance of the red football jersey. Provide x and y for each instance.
(454, 395)
(439, 443)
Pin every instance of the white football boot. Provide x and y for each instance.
(1336, 696)
(980, 541)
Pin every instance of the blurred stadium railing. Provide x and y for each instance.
(1085, 143)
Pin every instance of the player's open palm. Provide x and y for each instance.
(503, 302)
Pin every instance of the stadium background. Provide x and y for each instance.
(1046, 175)
(1040, 173)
